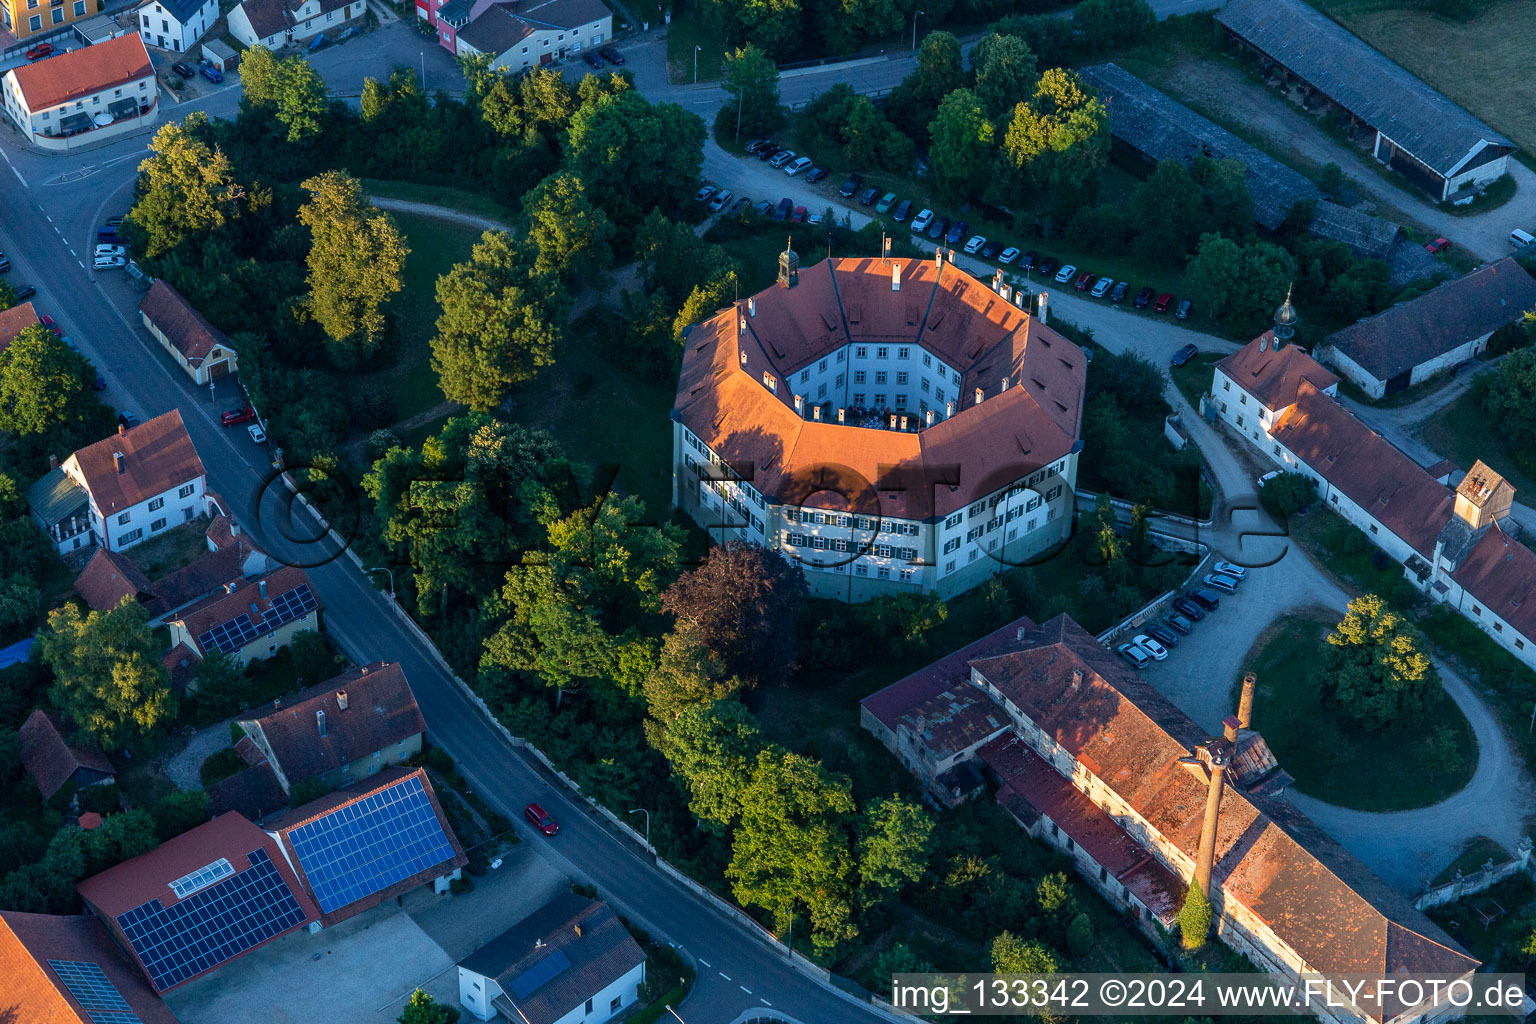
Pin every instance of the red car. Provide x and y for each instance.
(47, 321)
(798, 216)
(1163, 302)
(237, 416)
(540, 819)
(1438, 245)
(1084, 280)
(40, 51)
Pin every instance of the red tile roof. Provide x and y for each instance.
(34, 992)
(1385, 483)
(1272, 376)
(181, 662)
(15, 320)
(253, 791)
(1500, 575)
(849, 301)
(157, 456)
(79, 73)
(185, 328)
(899, 698)
(108, 578)
(49, 758)
(226, 604)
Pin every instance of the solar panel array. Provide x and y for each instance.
(213, 924)
(369, 845)
(531, 980)
(94, 991)
(229, 637)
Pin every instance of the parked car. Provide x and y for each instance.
(1083, 281)
(798, 216)
(797, 165)
(1048, 266)
(1065, 274)
(108, 235)
(922, 220)
(25, 292)
(100, 383)
(1184, 355)
(127, 419)
(768, 151)
(1237, 572)
(705, 191)
(1133, 654)
(540, 819)
(1223, 583)
(815, 218)
(783, 210)
(5, 263)
(1178, 623)
(722, 197)
(184, 69)
(956, 232)
(107, 249)
(886, 202)
(1102, 287)
(974, 243)
(1151, 646)
(1163, 635)
(1184, 307)
(1438, 245)
(611, 55)
(211, 73)
(257, 432)
(782, 158)
(1008, 255)
(594, 60)
(868, 197)
(1204, 598)
(939, 229)
(902, 211)
(1143, 297)
(763, 208)
(1163, 302)
(47, 321)
(110, 262)
(113, 222)
(756, 144)
(1187, 608)
(40, 51)
(739, 207)
(1118, 295)
(990, 250)
(850, 186)
(235, 417)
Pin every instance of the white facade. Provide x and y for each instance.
(161, 27)
(1377, 388)
(150, 518)
(544, 45)
(477, 992)
(307, 21)
(45, 126)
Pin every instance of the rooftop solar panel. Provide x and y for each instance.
(533, 978)
(369, 845)
(229, 637)
(90, 986)
(97, 1017)
(212, 925)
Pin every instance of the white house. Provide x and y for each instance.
(521, 34)
(276, 23)
(248, 620)
(198, 347)
(85, 95)
(176, 24)
(572, 961)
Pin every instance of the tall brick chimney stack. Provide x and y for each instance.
(1207, 855)
(1245, 702)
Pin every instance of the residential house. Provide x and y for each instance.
(83, 96)
(248, 620)
(276, 23)
(519, 34)
(199, 900)
(1431, 141)
(66, 970)
(124, 488)
(15, 320)
(890, 426)
(199, 348)
(1437, 331)
(408, 843)
(53, 761)
(572, 960)
(348, 727)
(176, 24)
(1098, 764)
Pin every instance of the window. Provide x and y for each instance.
(925, 385)
(1373, 528)
(186, 492)
(882, 353)
(187, 514)
(861, 352)
(949, 567)
(840, 353)
(927, 359)
(1242, 399)
(1498, 627)
(1226, 385)
(901, 378)
(903, 353)
(131, 537)
(821, 391)
(145, 19)
(156, 504)
(858, 376)
(884, 572)
(1477, 611)
(822, 366)
(880, 377)
(879, 400)
(952, 545)
(617, 1002)
(36, 24)
(805, 375)
(901, 401)
(861, 569)
(589, 1001)
(157, 526)
(938, 394)
(858, 398)
(841, 378)
(122, 520)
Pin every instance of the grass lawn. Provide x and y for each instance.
(1332, 758)
(688, 30)
(220, 765)
(453, 198)
(1483, 63)
(1460, 432)
(1193, 379)
(171, 550)
(1479, 849)
(1423, 389)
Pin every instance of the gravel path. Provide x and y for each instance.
(443, 212)
(182, 767)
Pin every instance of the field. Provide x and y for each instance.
(1483, 63)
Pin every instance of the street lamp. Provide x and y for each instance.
(642, 810)
(696, 50)
(915, 16)
(423, 70)
(674, 1013)
(380, 568)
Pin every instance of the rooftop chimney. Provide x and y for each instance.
(800, 403)
(1005, 384)
(997, 279)
(1077, 678)
(578, 929)
(841, 413)
(320, 722)
(1006, 291)
(903, 423)
(117, 457)
(229, 588)
(538, 943)
(1229, 727)
(743, 357)
(816, 413)
(1041, 309)
(752, 307)
(1206, 858)
(261, 585)
(122, 428)
(53, 462)
(929, 416)
(949, 409)
(341, 700)
(895, 277)
(1245, 702)
(742, 329)
(978, 396)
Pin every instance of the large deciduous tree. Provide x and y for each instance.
(1058, 141)
(752, 84)
(186, 189)
(1006, 74)
(687, 674)
(44, 386)
(635, 156)
(895, 838)
(962, 146)
(569, 234)
(356, 257)
(712, 748)
(746, 601)
(287, 88)
(1242, 285)
(1509, 398)
(1377, 667)
(107, 674)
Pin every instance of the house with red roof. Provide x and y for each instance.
(891, 426)
(83, 96)
(53, 761)
(518, 34)
(67, 970)
(248, 619)
(199, 348)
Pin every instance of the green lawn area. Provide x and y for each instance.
(171, 550)
(688, 30)
(1423, 389)
(1415, 765)
(438, 195)
(1348, 553)
(1460, 432)
(1193, 379)
(1478, 850)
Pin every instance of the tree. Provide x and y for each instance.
(1012, 954)
(1376, 666)
(44, 385)
(1168, 207)
(687, 674)
(1213, 274)
(1080, 935)
(1194, 918)
(962, 146)
(845, 24)
(712, 748)
(1509, 397)
(773, 24)
(1058, 141)
(219, 681)
(7, 295)
(1331, 179)
(569, 234)
(179, 812)
(312, 658)
(1224, 184)
(940, 68)
(355, 262)
(107, 674)
(752, 83)
(1287, 494)
(1106, 24)
(746, 602)
(500, 324)
(791, 848)
(423, 1009)
(186, 189)
(636, 156)
(895, 838)
(1242, 284)
(1006, 74)
(289, 88)
(606, 558)
(549, 634)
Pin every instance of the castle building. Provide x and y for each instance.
(892, 425)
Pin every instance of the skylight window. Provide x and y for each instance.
(203, 877)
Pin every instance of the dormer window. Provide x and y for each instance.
(771, 382)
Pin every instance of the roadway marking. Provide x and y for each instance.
(764, 1001)
(745, 989)
(722, 974)
(13, 169)
(706, 963)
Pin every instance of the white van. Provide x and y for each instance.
(1519, 239)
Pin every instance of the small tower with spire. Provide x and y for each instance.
(1285, 320)
(789, 265)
